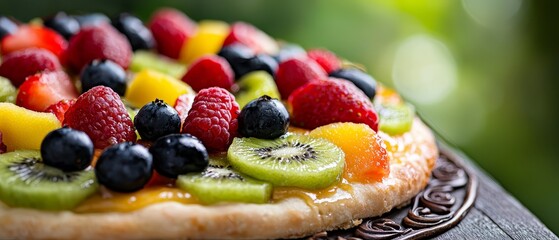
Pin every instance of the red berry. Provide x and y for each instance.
(159, 180)
(209, 71)
(29, 36)
(3, 147)
(251, 37)
(98, 42)
(296, 72)
(101, 114)
(183, 104)
(171, 29)
(60, 108)
(18, 65)
(326, 59)
(41, 90)
(323, 102)
(213, 118)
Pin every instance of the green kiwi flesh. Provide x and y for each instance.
(26, 182)
(291, 161)
(220, 183)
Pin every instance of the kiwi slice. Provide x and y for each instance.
(254, 85)
(220, 183)
(8, 92)
(292, 160)
(396, 119)
(149, 60)
(26, 182)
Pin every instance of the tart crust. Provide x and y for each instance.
(413, 156)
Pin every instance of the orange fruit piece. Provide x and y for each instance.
(365, 154)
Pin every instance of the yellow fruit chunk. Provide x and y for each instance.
(149, 85)
(207, 40)
(366, 158)
(23, 128)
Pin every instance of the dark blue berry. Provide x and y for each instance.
(65, 25)
(237, 55)
(264, 118)
(92, 19)
(105, 73)
(157, 119)
(178, 154)
(7, 26)
(67, 149)
(125, 167)
(362, 80)
(288, 51)
(133, 28)
(260, 62)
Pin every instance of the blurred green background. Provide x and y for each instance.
(483, 74)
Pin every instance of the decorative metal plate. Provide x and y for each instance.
(446, 199)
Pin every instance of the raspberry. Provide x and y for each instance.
(101, 114)
(209, 71)
(213, 118)
(296, 72)
(60, 108)
(3, 147)
(171, 29)
(18, 65)
(323, 102)
(98, 42)
(326, 59)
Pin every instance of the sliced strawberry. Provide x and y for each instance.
(29, 36)
(171, 29)
(251, 37)
(21, 64)
(183, 105)
(41, 90)
(296, 72)
(60, 108)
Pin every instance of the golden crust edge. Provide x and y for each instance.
(291, 217)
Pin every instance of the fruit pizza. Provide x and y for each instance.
(116, 128)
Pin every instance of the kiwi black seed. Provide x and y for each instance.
(26, 182)
(293, 160)
(221, 183)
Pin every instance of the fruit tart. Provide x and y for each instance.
(112, 128)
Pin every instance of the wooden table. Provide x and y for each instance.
(495, 213)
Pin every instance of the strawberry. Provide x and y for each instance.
(101, 114)
(18, 65)
(41, 90)
(296, 72)
(60, 108)
(171, 29)
(320, 103)
(326, 59)
(251, 37)
(209, 71)
(28, 36)
(183, 104)
(98, 42)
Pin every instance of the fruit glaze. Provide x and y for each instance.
(104, 115)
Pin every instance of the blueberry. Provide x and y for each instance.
(63, 24)
(157, 119)
(288, 51)
(263, 118)
(237, 55)
(124, 167)
(132, 27)
(67, 149)
(260, 62)
(362, 80)
(178, 154)
(105, 73)
(7, 26)
(92, 19)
